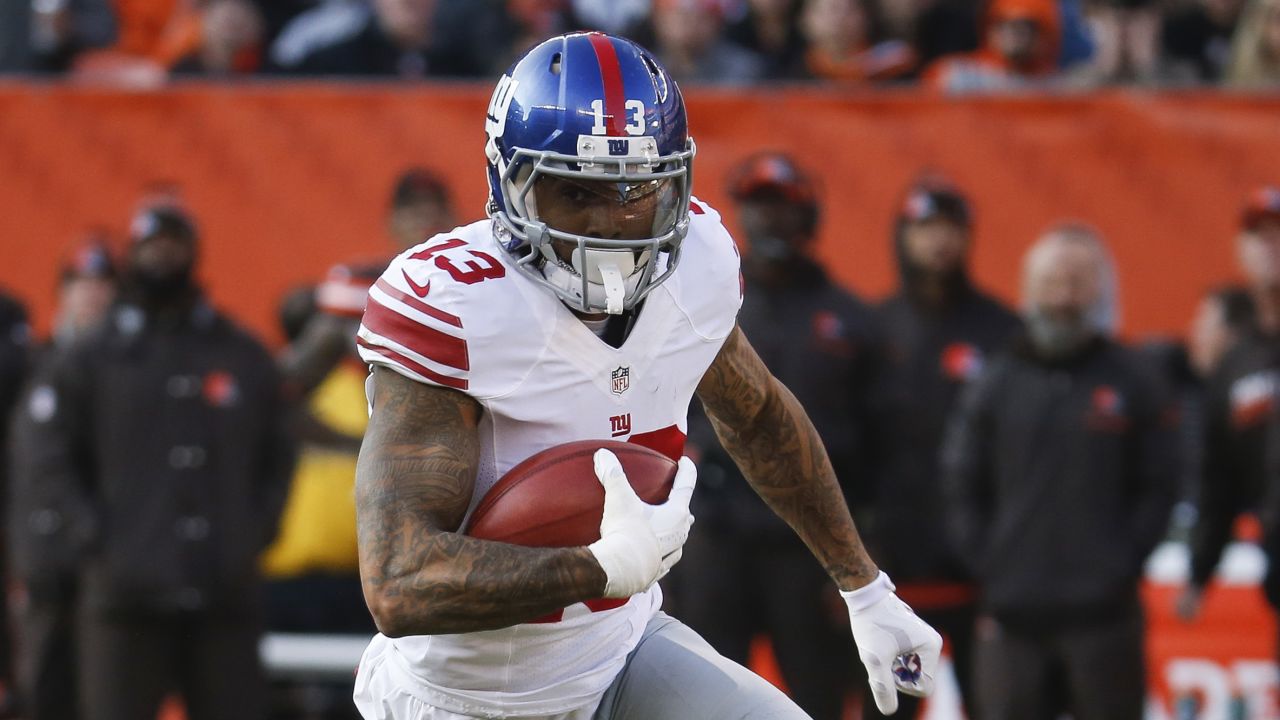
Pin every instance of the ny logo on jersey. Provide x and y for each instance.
(620, 425)
(621, 379)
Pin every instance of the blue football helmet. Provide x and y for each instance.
(598, 115)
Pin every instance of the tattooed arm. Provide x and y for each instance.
(414, 482)
(764, 429)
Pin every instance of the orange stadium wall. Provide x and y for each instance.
(288, 179)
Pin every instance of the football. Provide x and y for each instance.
(553, 499)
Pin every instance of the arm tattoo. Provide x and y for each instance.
(764, 429)
(414, 482)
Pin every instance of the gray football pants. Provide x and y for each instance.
(674, 674)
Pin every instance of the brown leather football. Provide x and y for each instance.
(554, 499)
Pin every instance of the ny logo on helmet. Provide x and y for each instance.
(619, 147)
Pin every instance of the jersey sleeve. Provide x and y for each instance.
(450, 312)
(708, 284)
(413, 324)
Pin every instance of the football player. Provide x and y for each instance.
(594, 302)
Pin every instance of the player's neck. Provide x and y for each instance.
(597, 323)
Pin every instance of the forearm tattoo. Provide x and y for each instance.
(414, 481)
(768, 434)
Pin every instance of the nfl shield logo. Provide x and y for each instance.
(621, 380)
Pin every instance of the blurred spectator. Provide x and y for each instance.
(15, 336)
(619, 17)
(1239, 400)
(939, 329)
(153, 36)
(1196, 39)
(536, 20)
(1126, 35)
(689, 40)
(160, 438)
(312, 567)
(843, 43)
(231, 40)
(743, 572)
(1255, 49)
(15, 37)
(1059, 482)
(770, 29)
(86, 288)
(276, 14)
(1077, 45)
(1021, 48)
(1225, 316)
(934, 27)
(420, 207)
(328, 22)
(60, 29)
(45, 620)
(397, 38)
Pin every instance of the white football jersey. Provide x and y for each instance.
(455, 312)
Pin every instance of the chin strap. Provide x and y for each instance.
(614, 288)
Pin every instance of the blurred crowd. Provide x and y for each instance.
(173, 490)
(953, 46)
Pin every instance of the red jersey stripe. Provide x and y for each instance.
(418, 305)
(611, 78)
(424, 371)
(421, 339)
(696, 209)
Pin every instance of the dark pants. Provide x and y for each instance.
(128, 665)
(46, 660)
(956, 626)
(1098, 667)
(731, 587)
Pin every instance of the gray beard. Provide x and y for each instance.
(1054, 338)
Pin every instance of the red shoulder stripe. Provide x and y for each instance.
(417, 304)
(422, 339)
(424, 371)
(696, 209)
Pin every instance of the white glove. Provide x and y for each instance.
(899, 649)
(639, 542)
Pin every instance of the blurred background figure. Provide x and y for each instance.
(1126, 38)
(15, 360)
(1239, 401)
(1196, 39)
(1059, 481)
(61, 29)
(421, 206)
(232, 40)
(86, 289)
(844, 44)
(938, 332)
(1255, 49)
(532, 21)
(1021, 43)
(744, 573)
(44, 618)
(771, 30)
(689, 41)
(1226, 316)
(312, 568)
(166, 427)
(401, 38)
(612, 16)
